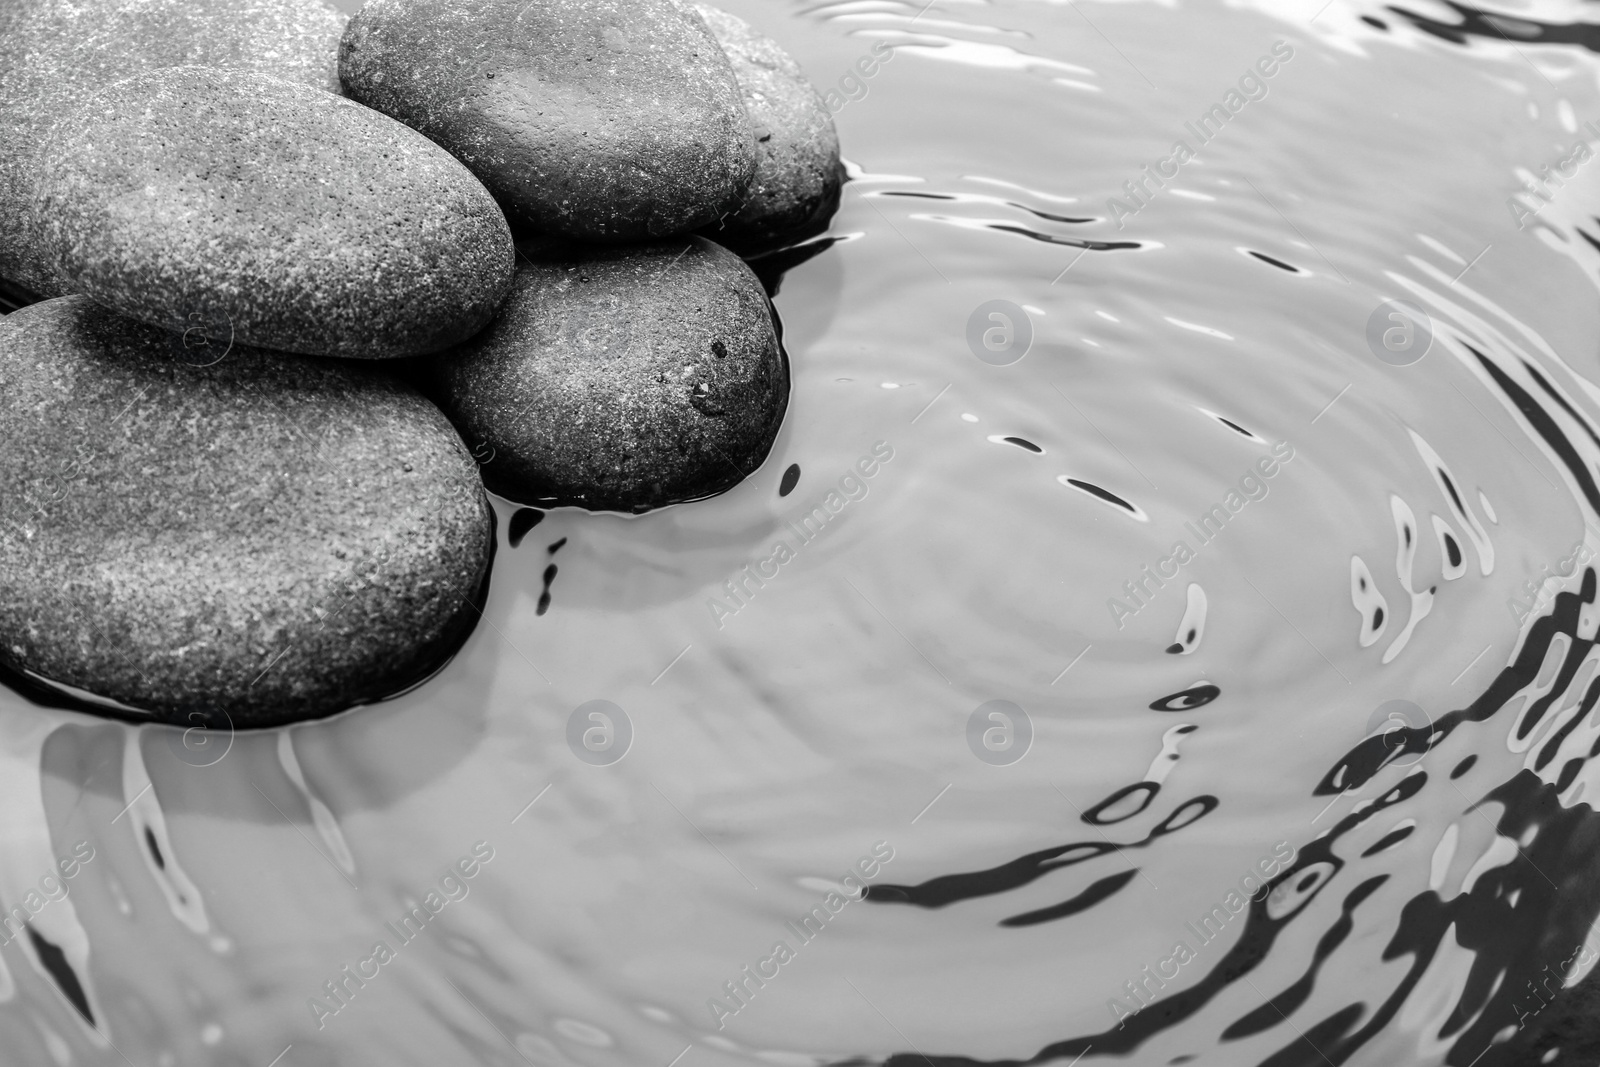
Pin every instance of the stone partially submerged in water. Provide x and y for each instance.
(621, 380)
(271, 537)
(55, 54)
(615, 120)
(279, 215)
(795, 190)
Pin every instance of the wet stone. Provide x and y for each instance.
(269, 536)
(621, 379)
(795, 190)
(272, 214)
(55, 54)
(609, 120)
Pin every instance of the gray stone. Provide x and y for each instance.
(54, 54)
(270, 536)
(280, 215)
(607, 120)
(795, 190)
(621, 379)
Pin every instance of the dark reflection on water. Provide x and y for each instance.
(1527, 921)
(1476, 22)
(14, 296)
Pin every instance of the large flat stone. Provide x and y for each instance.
(273, 537)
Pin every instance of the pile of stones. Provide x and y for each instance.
(296, 290)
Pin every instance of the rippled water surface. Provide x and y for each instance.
(1362, 692)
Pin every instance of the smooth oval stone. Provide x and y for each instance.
(269, 537)
(621, 379)
(795, 190)
(275, 214)
(55, 54)
(607, 120)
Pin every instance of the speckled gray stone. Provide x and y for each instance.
(621, 379)
(277, 214)
(606, 120)
(273, 536)
(54, 54)
(795, 190)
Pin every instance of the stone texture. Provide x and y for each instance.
(795, 190)
(54, 54)
(275, 536)
(620, 379)
(607, 120)
(280, 215)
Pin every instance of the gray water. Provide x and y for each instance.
(1177, 730)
